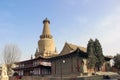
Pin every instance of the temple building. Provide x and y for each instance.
(71, 61)
(38, 67)
(41, 64)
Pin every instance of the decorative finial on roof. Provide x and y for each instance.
(55, 49)
(36, 49)
(31, 56)
(46, 20)
(66, 42)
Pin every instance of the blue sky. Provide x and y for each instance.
(73, 21)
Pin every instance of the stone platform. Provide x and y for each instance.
(94, 77)
(59, 78)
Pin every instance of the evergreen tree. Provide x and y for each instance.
(90, 50)
(117, 61)
(98, 53)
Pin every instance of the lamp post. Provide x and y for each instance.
(62, 62)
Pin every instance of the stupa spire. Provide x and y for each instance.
(46, 43)
(46, 29)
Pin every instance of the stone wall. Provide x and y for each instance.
(59, 78)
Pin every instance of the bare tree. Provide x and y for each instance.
(11, 54)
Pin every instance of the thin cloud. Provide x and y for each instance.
(110, 30)
(76, 2)
(81, 19)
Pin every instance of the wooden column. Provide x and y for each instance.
(55, 67)
(41, 71)
(71, 64)
(78, 66)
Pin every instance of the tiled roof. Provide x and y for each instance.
(68, 48)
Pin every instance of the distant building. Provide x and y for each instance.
(107, 64)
